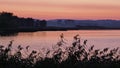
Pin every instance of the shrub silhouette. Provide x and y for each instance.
(74, 56)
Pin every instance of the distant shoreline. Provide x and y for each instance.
(35, 30)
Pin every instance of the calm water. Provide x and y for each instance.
(47, 39)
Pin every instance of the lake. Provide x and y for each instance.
(47, 39)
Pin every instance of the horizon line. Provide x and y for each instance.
(58, 18)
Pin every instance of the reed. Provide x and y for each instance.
(74, 56)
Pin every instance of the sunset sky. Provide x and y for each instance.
(63, 9)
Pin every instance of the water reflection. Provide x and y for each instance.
(32, 34)
(8, 33)
(99, 38)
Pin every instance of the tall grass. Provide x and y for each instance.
(77, 55)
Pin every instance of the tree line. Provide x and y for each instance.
(9, 21)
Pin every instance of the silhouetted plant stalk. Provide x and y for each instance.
(75, 55)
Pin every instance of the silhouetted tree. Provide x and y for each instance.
(43, 23)
(8, 21)
(30, 22)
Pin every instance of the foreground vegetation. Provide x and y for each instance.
(77, 55)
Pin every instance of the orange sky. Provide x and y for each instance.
(59, 9)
